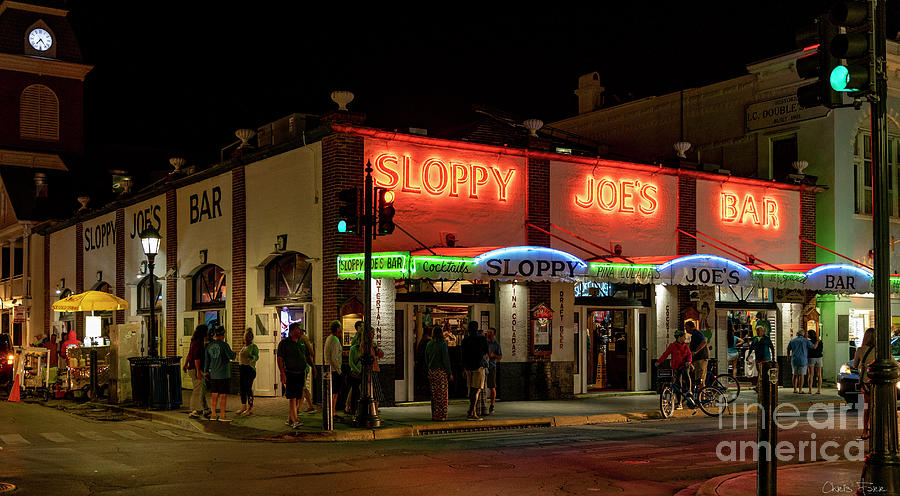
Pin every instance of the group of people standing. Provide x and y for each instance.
(347, 382)
(805, 352)
(481, 354)
(208, 363)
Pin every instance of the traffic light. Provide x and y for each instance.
(853, 46)
(385, 208)
(348, 211)
(817, 64)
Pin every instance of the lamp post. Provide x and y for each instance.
(150, 239)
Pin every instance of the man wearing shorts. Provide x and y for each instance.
(218, 368)
(474, 350)
(798, 351)
(292, 364)
(494, 356)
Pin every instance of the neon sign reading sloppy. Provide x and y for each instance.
(438, 177)
(624, 195)
(749, 211)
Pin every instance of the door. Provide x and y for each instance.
(580, 354)
(642, 347)
(266, 336)
(184, 346)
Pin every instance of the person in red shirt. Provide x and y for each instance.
(54, 350)
(681, 362)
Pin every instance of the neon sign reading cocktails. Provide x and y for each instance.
(623, 195)
(439, 177)
(749, 210)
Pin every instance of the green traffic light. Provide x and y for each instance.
(342, 226)
(840, 78)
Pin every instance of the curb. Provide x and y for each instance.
(711, 487)
(457, 425)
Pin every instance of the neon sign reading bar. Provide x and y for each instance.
(438, 177)
(749, 211)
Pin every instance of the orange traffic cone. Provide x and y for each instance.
(14, 392)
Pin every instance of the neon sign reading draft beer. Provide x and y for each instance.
(438, 177)
(749, 210)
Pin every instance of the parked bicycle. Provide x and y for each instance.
(726, 383)
(711, 400)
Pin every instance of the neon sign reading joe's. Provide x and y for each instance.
(623, 195)
(439, 177)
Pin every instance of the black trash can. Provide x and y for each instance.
(785, 373)
(156, 382)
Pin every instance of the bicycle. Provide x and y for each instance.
(726, 383)
(711, 400)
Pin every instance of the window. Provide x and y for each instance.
(209, 287)
(289, 279)
(862, 174)
(39, 113)
(144, 297)
(784, 154)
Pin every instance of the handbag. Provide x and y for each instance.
(862, 385)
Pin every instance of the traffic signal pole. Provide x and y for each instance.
(882, 469)
(367, 415)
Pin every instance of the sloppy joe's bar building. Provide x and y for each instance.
(583, 265)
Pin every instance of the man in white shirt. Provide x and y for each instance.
(333, 357)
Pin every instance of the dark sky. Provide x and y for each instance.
(179, 80)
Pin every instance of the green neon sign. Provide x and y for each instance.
(390, 265)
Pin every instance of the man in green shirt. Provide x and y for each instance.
(218, 368)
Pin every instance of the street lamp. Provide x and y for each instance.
(150, 239)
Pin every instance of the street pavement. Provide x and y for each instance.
(82, 450)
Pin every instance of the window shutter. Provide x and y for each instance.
(39, 113)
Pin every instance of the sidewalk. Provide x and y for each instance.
(838, 477)
(269, 414)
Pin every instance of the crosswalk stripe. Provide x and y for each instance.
(95, 436)
(56, 437)
(130, 435)
(13, 439)
(171, 435)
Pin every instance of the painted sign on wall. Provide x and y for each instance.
(513, 310)
(383, 294)
(534, 263)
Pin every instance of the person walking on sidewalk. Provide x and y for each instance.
(494, 356)
(437, 362)
(355, 377)
(474, 349)
(798, 350)
(333, 357)
(292, 365)
(307, 348)
(815, 361)
(681, 363)
(247, 358)
(193, 365)
(218, 367)
(864, 356)
(699, 352)
(762, 348)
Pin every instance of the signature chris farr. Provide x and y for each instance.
(862, 486)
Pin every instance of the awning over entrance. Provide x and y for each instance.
(537, 263)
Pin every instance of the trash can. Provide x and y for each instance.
(156, 382)
(785, 373)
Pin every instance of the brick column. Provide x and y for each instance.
(120, 261)
(79, 275)
(238, 256)
(687, 215)
(342, 168)
(48, 313)
(807, 224)
(171, 314)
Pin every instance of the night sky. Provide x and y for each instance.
(175, 80)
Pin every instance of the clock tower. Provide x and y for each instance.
(41, 87)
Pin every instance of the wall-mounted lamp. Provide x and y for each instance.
(99, 275)
(281, 242)
(203, 254)
(143, 270)
(60, 285)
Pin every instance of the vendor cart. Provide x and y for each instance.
(35, 372)
(88, 371)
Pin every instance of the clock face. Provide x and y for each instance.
(40, 39)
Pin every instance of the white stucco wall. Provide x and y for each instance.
(62, 264)
(137, 218)
(99, 246)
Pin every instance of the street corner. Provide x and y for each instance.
(833, 477)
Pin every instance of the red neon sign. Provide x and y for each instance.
(748, 210)
(438, 177)
(624, 195)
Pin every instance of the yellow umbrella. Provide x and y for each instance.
(90, 301)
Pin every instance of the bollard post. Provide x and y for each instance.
(327, 414)
(767, 431)
(93, 358)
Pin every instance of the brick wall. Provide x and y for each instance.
(342, 168)
(79, 275)
(120, 261)
(171, 314)
(48, 313)
(538, 202)
(238, 256)
(687, 215)
(807, 225)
